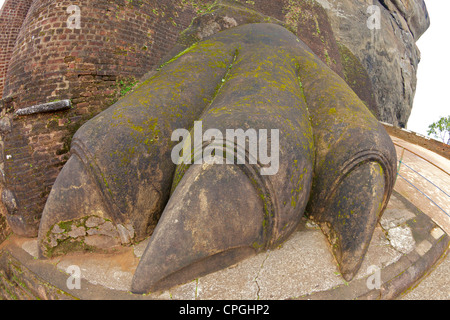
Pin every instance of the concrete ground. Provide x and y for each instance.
(435, 286)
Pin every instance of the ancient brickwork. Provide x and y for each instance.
(12, 15)
(116, 44)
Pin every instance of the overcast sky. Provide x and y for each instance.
(431, 101)
(432, 96)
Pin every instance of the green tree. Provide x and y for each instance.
(441, 129)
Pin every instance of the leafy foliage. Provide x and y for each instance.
(441, 129)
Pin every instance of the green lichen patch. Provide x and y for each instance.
(309, 21)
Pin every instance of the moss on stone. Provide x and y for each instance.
(356, 76)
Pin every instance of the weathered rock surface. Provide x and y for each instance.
(388, 51)
(371, 45)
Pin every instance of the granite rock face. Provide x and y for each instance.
(382, 36)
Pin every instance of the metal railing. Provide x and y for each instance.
(401, 162)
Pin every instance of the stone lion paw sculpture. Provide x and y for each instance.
(335, 162)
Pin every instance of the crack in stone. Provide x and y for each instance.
(258, 274)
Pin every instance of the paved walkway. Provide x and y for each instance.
(435, 286)
(428, 172)
(417, 160)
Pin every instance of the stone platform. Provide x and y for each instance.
(404, 248)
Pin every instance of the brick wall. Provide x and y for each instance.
(416, 138)
(12, 15)
(118, 42)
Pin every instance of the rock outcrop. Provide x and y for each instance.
(372, 45)
(382, 37)
(322, 71)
